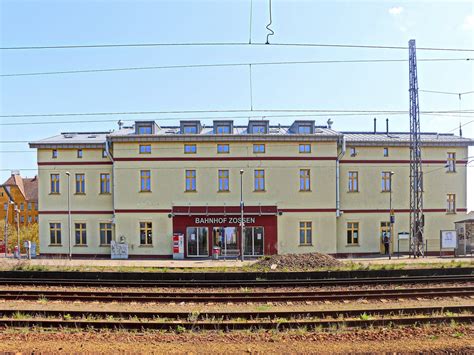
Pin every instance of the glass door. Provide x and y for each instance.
(253, 241)
(197, 241)
(226, 239)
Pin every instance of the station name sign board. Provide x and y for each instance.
(223, 220)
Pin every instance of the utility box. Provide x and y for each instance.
(178, 246)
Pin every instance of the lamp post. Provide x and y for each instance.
(392, 217)
(6, 226)
(241, 216)
(17, 210)
(69, 213)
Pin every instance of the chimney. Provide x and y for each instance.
(460, 130)
(15, 172)
(386, 122)
(330, 122)
(375, 125)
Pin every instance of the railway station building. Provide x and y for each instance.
(305, 188)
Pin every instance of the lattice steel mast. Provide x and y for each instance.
(416, 173)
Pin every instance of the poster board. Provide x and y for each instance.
(448, 239)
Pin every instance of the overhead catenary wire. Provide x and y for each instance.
(190, 66)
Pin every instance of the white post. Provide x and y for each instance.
(69, 213)
(241, 216)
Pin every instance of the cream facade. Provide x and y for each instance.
(305, 188)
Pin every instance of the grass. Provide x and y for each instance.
(42, 300)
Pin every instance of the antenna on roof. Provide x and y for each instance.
(330, 122)
(120, 124)
(460, 129)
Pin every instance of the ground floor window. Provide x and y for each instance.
(253, 241)
(306, 229)
(81, 236)
(105, 230)
(353, 233)
(146, 233)
(55, 233)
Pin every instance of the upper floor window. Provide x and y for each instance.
(55, 233)
(54, 153)
(104, 183)
(145, 180)
(353, 233)
(145, 149)
(146, 235)
(190, 148)
(79, 153)
(223, 129)
(54, 183)
(223, 177)
(353, 151)
(385, 152)
(451, 162)
(223, 148)
(105, 231)
(145, 129)
(190, 180)
(80, 183)
(30, 206)
(353, 181)
(451, 203)
(259, 180)
(81, 234)
(304, 129)
(30, 219)
(306, 229)
(259, 148)
(22, 206)
(190, 129)
(386, 181)
(305, 182)
(258, 129)
(305, 148)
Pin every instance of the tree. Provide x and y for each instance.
(27, 232)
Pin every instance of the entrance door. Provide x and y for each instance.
(226, 239)
(253, 241)
(384, 230)
(197, 241)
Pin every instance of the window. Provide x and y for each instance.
(451, 203)
(259, 148)
(259, 181)
(386, 181)
(305, 148)
(5, 206)
(304, 129)
(80, 231)
(79, 153)
(385, 152)
(353, 151)
(145, 233)
(30, 206)
(55, 233)
(22, 206)
(54, 183)
(190, 129)
(144, 130)
(104, 153)
(223, 180)
(223, 130)
(145, 180)
(353, 181)
(190, 148)
(36, 218)
(105, 231)
(353, 233)
(22, 219)
(223, 148)
(190, 180)
(29, 219)
(145, 149)
(305, 182)
(54, 153)
(258, 129)
(105, 183)
(305, 233)
(451, 163)
(80, 184)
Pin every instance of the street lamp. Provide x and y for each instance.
(391, 218)
(17, 210)
(241, 216)
(69, 212)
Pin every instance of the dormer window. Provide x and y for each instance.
(190, 127)
(223, 126)
(223, 130)
(258, 130)
(144, 127)
(304, 129)
(258, 127)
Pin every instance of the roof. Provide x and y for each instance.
(403, 138)
(27, 186)
(73, 140)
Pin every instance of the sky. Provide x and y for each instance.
(328, 86)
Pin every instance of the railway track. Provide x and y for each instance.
(240, 296)
(235, 320)
(99, 282)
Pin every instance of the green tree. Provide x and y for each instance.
(27, 232)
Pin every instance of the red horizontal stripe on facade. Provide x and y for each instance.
(76, 212)
(401, 210)
(307, 210)
(143, 211)
(220, 158)
(52, 163)
(378, 161)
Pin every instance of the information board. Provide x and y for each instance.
(448, 239)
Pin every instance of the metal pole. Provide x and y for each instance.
(18, 230)
(241, 217)
(391, 224)
(6, 229)
(69, 213)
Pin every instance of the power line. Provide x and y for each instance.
(326, 112)
(105, 70)
(447, 92)
(214, 44)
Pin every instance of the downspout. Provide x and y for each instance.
(342, 145)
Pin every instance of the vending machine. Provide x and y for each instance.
(178, 246)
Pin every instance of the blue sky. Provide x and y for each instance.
(350, 86)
